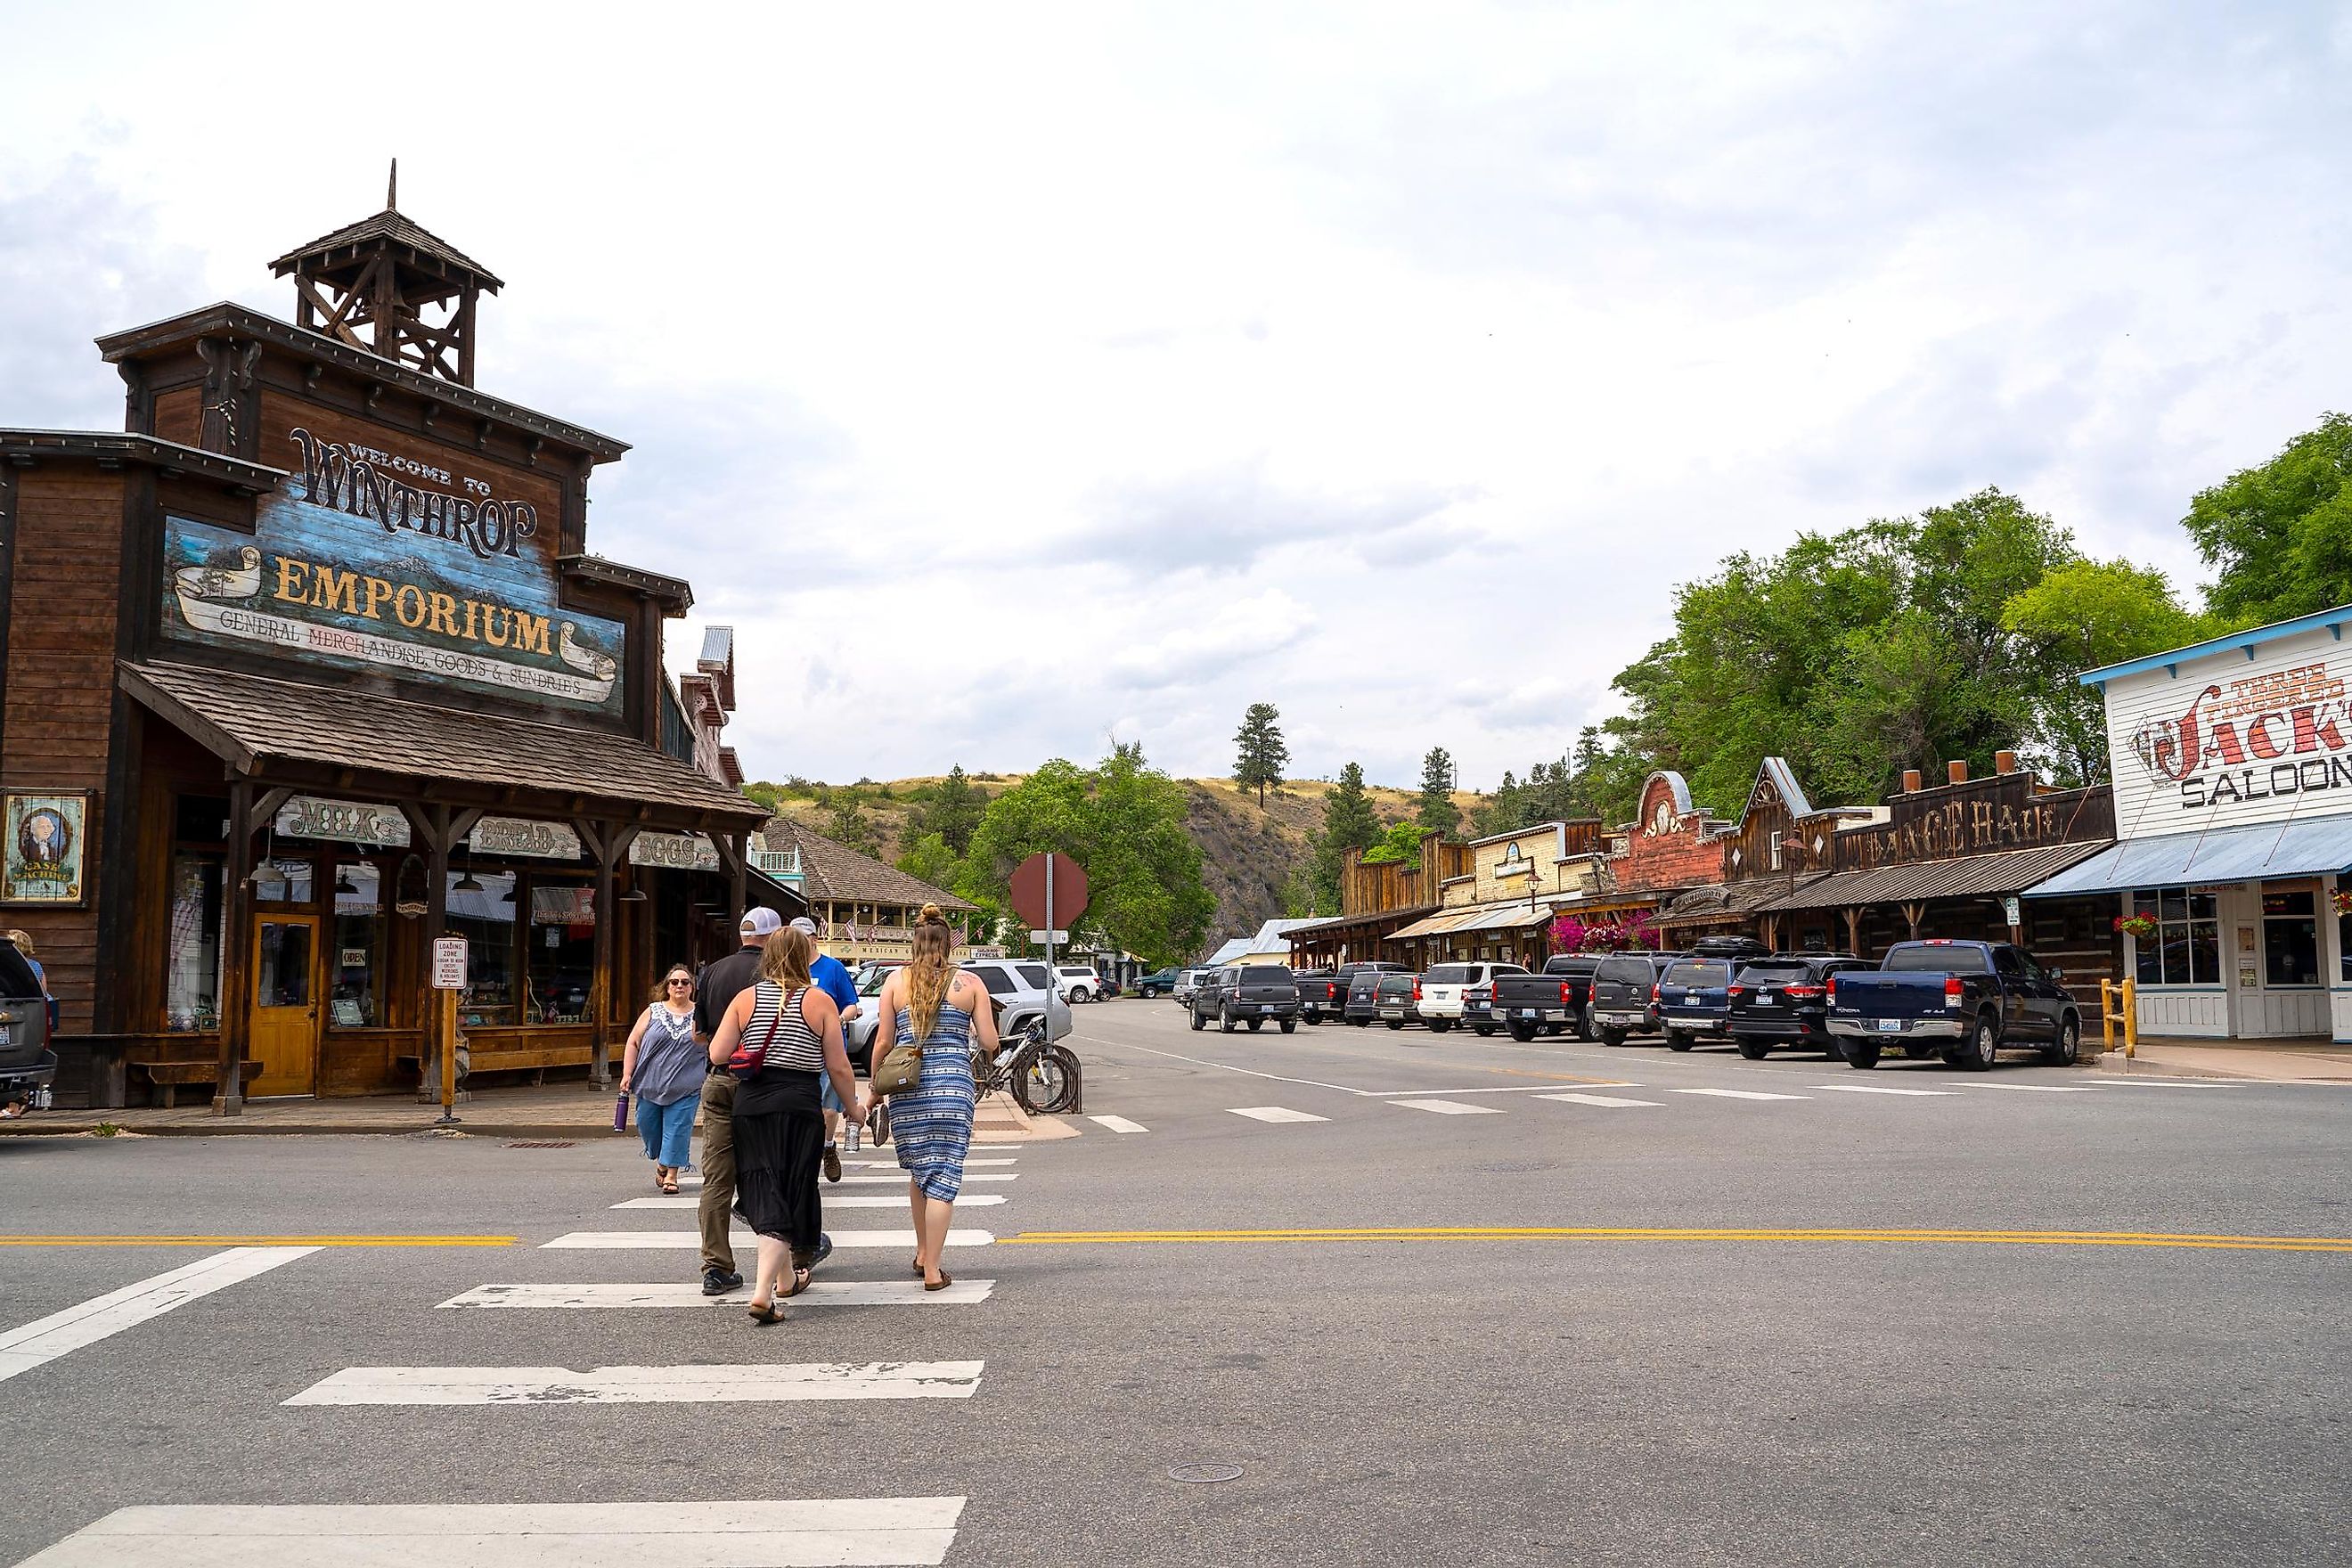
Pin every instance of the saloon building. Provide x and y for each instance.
(314, 664)
(2232, 765)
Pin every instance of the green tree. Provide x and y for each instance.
(2083, 615)
(2280, 535)
(1398, 845)
(1348, 824)
(929, 858)
(848, 824)
(1263, 753)
(949, 808)
(1436, 808)
(1123, 821)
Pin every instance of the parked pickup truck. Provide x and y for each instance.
(1551, 1001)
(1443, 986)
(1967, 1000)
(1250, 995)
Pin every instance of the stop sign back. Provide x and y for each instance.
(1069, 882)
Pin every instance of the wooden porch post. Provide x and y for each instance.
(1854, 932)
(236, 959)
(1911, 913)
(438, 828)
(609, 845)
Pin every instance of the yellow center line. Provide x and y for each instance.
(1649, 1233)
(259, 1240)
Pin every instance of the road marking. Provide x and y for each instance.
(2165, 1083)
(820, 1293)
(882, 1532)
(687, 1239)
(306, 1241)
(1449, 1107)
(875, 1165)
(700, 1384)
(2039, 1088)
(901, 1179)
(1275, 1113)
(1874, 1089)
(1118, 1123)
(1601, 1100)
(831, 1200)
(1738, 1094)
(1597, 1233)
(1341, 1088)
(45, 1339)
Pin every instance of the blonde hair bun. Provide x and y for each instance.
(931, 915)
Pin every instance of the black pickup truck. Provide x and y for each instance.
(1250, 995)
(1552, 1001)
(1965, 1000)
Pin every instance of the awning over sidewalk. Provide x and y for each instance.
(1969, 876)
(2224, 854)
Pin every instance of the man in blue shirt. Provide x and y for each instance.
(832, 976)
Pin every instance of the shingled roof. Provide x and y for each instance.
(398, 228)
(833, 870)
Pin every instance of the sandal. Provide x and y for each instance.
(764, 1312)
(946, 1279)
(671, 1186)
(661, 1180)
(800, 1282)
(918, 1265)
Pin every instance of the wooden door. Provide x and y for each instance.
(284, 1004)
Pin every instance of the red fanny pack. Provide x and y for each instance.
(746, 1061)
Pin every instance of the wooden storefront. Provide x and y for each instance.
(315, 665)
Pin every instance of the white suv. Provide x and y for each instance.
(1442, 986)
(1078, 983)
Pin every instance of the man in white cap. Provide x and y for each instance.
(719, 986)
(832, 976)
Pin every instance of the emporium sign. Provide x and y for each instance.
(2237, 745)
(352, 567)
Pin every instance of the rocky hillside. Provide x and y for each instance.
(1249, 857)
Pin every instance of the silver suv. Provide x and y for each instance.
(1017, 986)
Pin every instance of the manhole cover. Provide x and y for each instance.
(551, 1144)
(1201, 1474)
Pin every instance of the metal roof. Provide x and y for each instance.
(1969, 877)
(2224, 854)
(2333, 620)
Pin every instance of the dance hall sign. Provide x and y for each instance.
(360, 562)
(2222, 740)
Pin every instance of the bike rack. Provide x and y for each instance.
(2126, 1016)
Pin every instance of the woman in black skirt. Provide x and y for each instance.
(779, 1123)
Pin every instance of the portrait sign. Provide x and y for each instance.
(47, 855)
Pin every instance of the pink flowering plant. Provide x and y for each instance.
(1569, 934)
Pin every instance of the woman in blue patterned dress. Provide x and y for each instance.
(932, 1001)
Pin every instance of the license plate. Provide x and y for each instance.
(1526, 1012)
(1767, 1001)
(7, 1034)
(1890, 1025)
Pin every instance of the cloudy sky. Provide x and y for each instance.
(1013, 376)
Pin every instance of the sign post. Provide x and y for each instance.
(449, 956)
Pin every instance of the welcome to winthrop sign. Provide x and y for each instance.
(2222, 740)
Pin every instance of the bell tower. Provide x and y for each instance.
(372, 284)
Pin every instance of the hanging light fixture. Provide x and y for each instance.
(266, 876)
(343, 883)
(467, 883)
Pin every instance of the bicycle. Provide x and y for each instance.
(1043, 1077)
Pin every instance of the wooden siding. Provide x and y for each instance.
(179, 417)
(1978, 816)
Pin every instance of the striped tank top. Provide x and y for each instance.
(795, 1044)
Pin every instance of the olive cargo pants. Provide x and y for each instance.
(718, 1170)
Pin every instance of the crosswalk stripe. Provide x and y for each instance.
(901, 1178)
(2164, 1083)
(699, 1384)
(695, 1180)
(1738, 1094)
(1275, 1113)
(45, 1339)
(876, 1533)
(831, 1200)
(1601, 1099)
(2040, 1087)
(686, 1240)
(1449, 1107)
(1118, 1123)
(820, 1293)
(1875, 1088)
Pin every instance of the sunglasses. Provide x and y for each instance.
(680, 980)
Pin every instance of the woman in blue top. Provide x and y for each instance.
(664, 1066)
(934, 1002)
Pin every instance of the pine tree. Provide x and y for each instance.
(1348, 824)
(1264, 752)
(1435, 809)
(951, 809)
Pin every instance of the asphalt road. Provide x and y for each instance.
(1721, 1389)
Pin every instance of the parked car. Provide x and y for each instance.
(1321, 994)
(1442, 985)
(1783, 1000)
(1362, 1005)
(1159, 983)
(1398, 999)
(1478, 1008)
(1078, 983)
(27, 1066)
(1625, 995)
(1558, 1000)
(1966, 999)
(1694, 1001)
(1021, 992)
(1189, 982)
(1249, 993)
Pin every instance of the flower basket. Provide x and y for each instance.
(2342, 900)
(2135, 925)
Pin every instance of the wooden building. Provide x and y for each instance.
(1376, 900)
(312, 665)
(1501, 907)
(864, 908)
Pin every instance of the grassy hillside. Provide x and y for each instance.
(1249, 857)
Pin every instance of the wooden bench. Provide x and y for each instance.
(167, 1077)
(534, 1059)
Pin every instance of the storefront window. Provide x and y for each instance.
(482, 910)
(292, 885)
(357, 957)
(2290, 939)
(193, 944)
(2186, 948)
(562, 960)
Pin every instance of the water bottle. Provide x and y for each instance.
(849, 1128)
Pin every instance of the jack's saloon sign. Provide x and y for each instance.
(377, 560)
(2227, 740)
